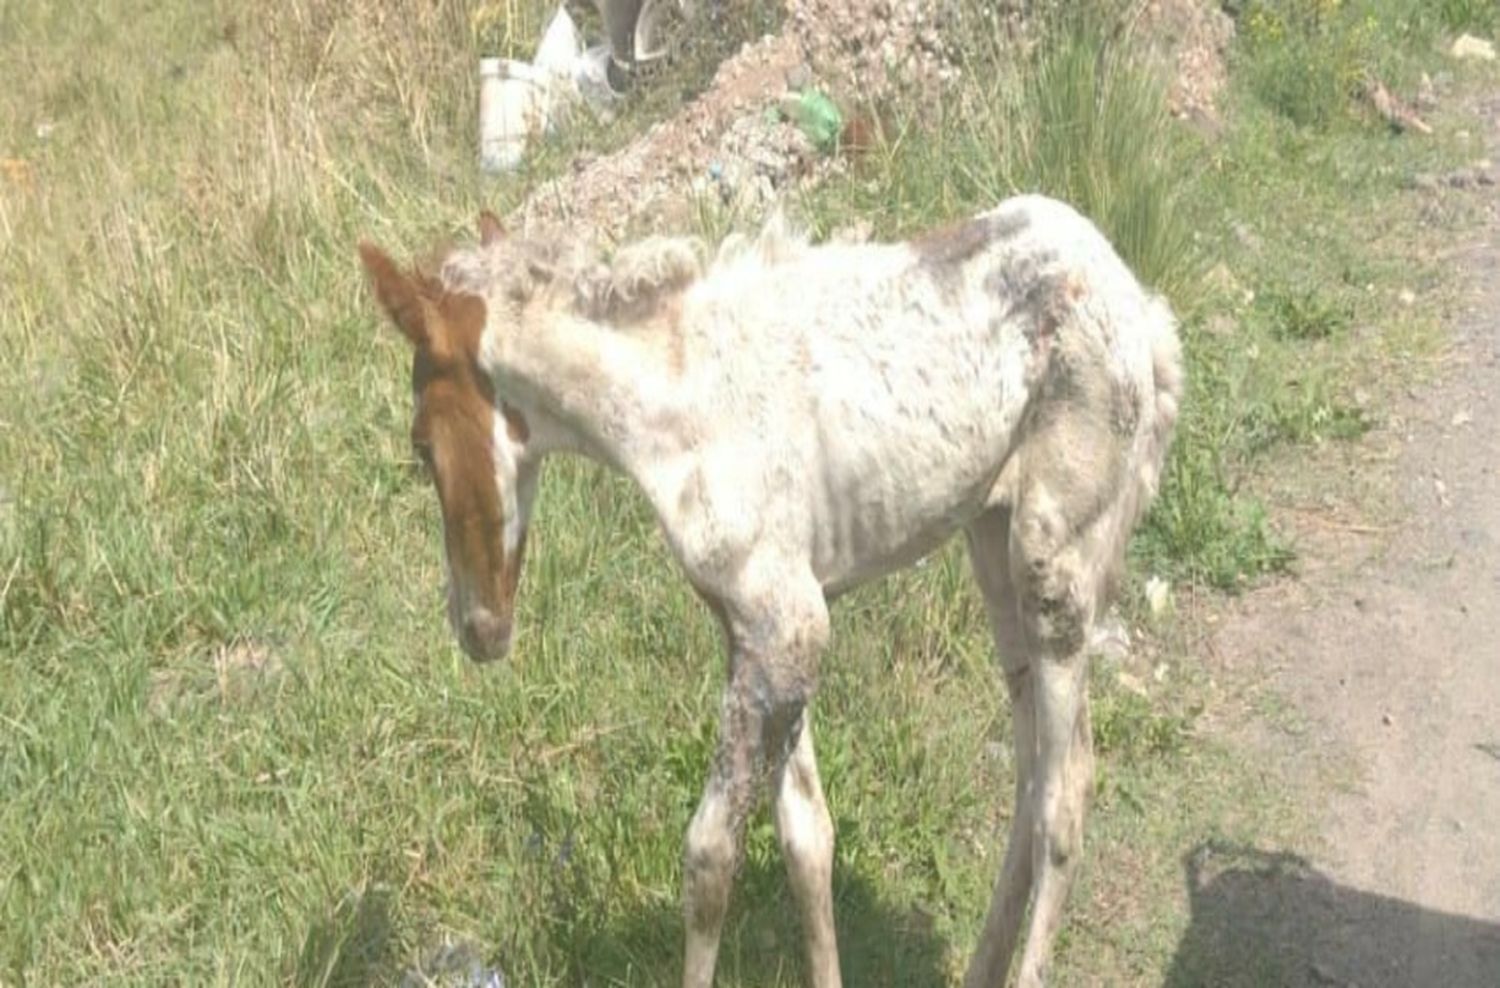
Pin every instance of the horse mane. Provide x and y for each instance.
(627, 288)
(632, 285)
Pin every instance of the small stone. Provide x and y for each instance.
(1407, 297)
(1158, 596)
(1468, 47)
(1387, 720)
(858, 232)
(1461, 419)
(1246, 236)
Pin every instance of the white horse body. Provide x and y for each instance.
(807, 418)
(868, 398)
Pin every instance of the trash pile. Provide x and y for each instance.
(783, 109)
(766, 124)
(867, 47)
(519, 100)
(724, 145)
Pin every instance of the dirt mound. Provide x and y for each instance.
(725, 147)
(1193, 37)
(649, 184)
(865, 48)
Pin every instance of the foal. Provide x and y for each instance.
(804, 419)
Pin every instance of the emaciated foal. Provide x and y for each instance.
(804, 419)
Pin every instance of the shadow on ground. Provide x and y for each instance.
(1262, 918)
(880, 944)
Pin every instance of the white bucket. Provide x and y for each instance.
(514, 103)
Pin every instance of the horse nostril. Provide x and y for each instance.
(485, 636)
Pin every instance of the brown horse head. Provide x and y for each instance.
(470, 443)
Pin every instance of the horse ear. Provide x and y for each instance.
(397, 294)
(490, 230)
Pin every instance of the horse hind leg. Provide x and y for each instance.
(1062, 574)
(989, 553)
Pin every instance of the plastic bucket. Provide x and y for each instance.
(514, 103)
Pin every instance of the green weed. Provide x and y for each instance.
(1304, 314)
(1202, 531)
(1305, 58)
(1129, 724)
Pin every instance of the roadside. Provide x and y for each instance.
(1385, 653)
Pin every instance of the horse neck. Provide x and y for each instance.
(612, 395)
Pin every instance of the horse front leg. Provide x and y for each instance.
(805, 831)
(715, 836)
(774, 639)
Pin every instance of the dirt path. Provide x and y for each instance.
(1389, 651)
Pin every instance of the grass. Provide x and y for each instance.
(1469, 15)
(236, 743)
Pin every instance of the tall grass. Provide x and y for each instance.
(1081, 118)
(1470, 15)
(1310, 59)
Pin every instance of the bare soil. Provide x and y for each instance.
(1387, 652)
